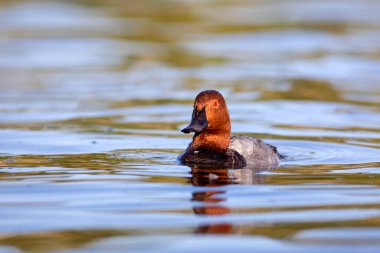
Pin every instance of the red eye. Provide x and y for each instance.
(215, 104)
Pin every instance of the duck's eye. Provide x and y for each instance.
(215, 104)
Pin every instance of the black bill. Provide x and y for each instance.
(198, 122)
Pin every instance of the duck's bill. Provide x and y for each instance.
(198, 122)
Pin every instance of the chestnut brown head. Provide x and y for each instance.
(211, 119)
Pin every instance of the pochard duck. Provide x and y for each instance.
(212, 143)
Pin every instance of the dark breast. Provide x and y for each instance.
(230, 159)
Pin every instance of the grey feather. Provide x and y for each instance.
(255, 151)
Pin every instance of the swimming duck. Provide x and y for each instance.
(212, 144)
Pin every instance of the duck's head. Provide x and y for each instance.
(210, 121)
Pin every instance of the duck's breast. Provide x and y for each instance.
(255, 151)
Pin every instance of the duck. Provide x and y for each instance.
(212, 144)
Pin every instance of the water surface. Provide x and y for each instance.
(94, 93)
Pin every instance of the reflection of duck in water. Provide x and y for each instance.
(210, 201)
(202, 176)
(212, 145)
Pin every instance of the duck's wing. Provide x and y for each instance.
(255, 151)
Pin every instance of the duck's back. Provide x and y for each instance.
(255, 151)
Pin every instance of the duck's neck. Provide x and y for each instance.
(214, 140)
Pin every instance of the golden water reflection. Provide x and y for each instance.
(213, 200)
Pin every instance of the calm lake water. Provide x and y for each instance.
(94, 94)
